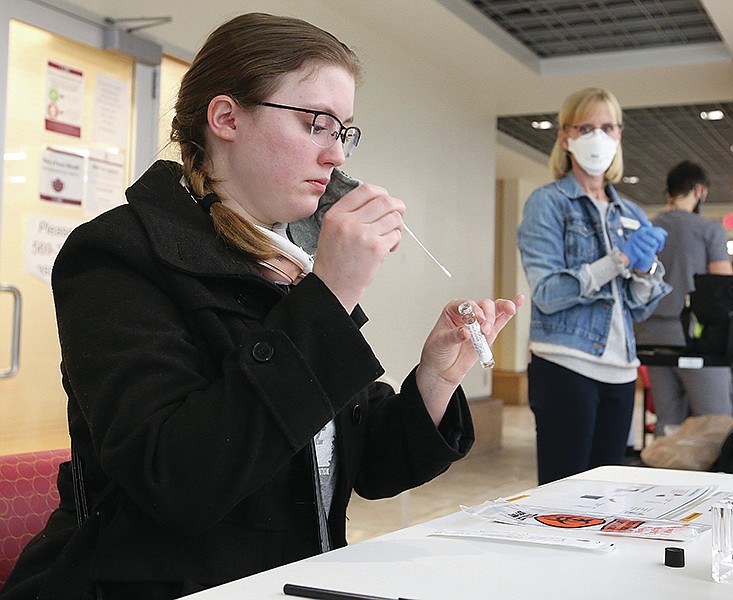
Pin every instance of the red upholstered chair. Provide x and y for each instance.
(28, 495)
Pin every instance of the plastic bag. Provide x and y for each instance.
(694, 445)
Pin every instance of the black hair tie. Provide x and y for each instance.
(206, 202)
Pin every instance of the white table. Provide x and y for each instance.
(411, 564)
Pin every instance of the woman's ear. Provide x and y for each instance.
(221, 116)
(562, 135)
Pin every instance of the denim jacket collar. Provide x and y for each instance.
(570, 187)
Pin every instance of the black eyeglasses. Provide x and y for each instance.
(326, 129)
(611, 129)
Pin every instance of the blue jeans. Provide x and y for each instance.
(581, 423)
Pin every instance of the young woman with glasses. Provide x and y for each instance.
(223, 403)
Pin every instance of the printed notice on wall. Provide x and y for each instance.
(62, 176)
(105, 186)
(44, 236)
(64, 99)
(110, 122)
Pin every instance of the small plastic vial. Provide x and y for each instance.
(723, 540)
(483, 350)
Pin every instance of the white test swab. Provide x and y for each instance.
(352, 182)
(419, 243)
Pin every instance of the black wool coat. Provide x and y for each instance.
(194, 390)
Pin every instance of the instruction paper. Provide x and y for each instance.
(669, 512)
(559, 519)
(629, 499)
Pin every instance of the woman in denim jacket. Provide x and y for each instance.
(590, 259)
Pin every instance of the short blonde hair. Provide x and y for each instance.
(575, 107)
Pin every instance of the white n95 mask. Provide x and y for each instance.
(594, 151)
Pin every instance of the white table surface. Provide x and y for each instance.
(409, 563)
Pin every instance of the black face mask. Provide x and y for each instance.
(700, 202)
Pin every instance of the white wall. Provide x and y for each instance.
(430, 145)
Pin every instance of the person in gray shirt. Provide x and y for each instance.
(694, 245)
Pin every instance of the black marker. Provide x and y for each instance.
(303, 591)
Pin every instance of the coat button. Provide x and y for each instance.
(356, 415)
(263, 351)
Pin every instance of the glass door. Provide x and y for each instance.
(66, 157)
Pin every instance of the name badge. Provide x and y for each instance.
(629, 223)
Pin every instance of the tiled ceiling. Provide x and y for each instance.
(655, 138)
(553, 28)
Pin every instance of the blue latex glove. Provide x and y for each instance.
(643, 245)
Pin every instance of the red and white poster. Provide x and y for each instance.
(62, 177)
(64, 99)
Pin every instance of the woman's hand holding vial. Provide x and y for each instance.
(451, 348)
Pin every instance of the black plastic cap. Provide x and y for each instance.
(674, 557)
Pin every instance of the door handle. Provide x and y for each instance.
(15, 339)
